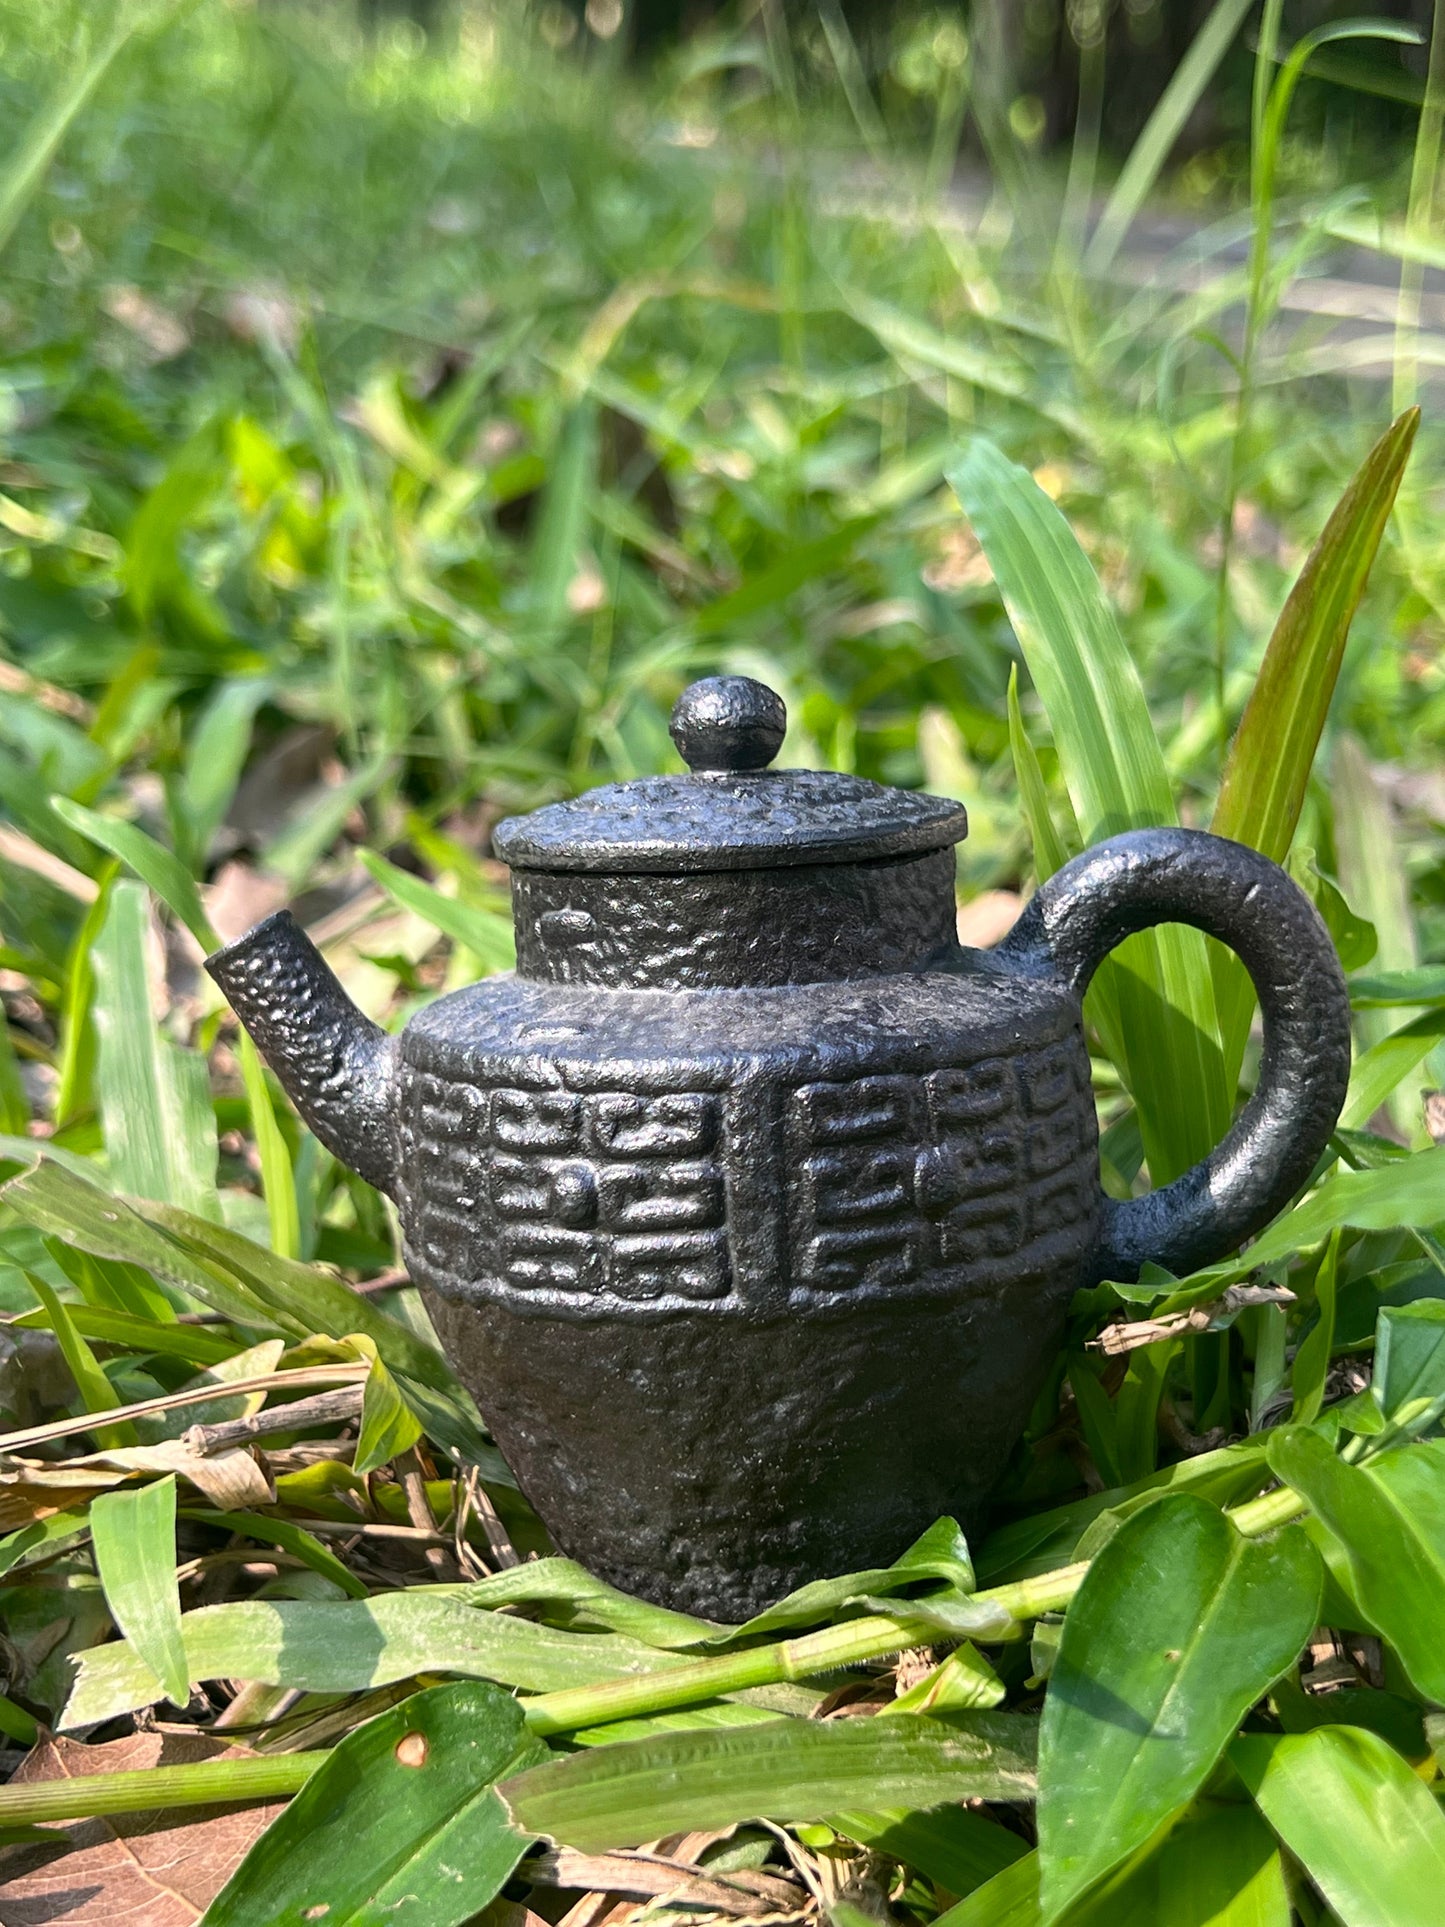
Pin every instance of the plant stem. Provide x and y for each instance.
(837, 1646)
(209, 1783)
(705, 1679)
(216, 1781)
(1268, 1512)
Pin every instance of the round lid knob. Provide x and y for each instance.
(728, 723)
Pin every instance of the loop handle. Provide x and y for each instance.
(1231, 892)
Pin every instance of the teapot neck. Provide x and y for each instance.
(734, 929)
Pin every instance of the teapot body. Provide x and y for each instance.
(750, 1208)
(750, 1284)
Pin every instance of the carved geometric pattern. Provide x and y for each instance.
(879, 1182)
(903, 1175)
(611, 1192)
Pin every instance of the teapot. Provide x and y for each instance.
(749, 1208)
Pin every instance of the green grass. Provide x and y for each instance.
(386, 436)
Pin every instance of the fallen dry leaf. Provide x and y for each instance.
(33, 1491)
(159, 1869)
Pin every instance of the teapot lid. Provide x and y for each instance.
(731, 812)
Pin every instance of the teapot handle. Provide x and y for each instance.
(1231, 892)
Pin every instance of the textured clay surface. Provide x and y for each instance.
(712, 1464)
(751, 927)
(732, 820)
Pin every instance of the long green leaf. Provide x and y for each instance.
(1165, 124)
(939, 1553)
(1350, 1810)
(175, 886)
(1389, 1519)
(151, 861)
(1409, 1191)
(96, 1390)
(1389, 989)
(1049, 851)
(402, 1821)
(155, 1101)
(617, 1796)
(227, 1271)
(569, 1595)
(274, 1530)
(562, 522)
(215, 758)
(1372, 874)
(1116, 777)
(1403, 1194)
(1312, 1359)
(14, 1104)
(278, 1180)
(1386, 1068)
(1263, 788)
(134, 1534)
(1179, 1626)
(1010, 1899)
(190, 1342)
(486, 933)
(346, 1647)
(36, 148)
(1046, 1540)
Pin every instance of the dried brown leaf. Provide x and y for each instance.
(159, 1869)
(29, 1492)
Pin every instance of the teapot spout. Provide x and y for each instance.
(336, 1066)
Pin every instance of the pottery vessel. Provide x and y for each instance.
(750, 1207)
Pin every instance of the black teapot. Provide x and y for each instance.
(750, 1207)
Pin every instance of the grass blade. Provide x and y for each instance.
(151, 861)
(1162, 129)
(348, 1647)
(278, 1179)
(1421, 212)
(1265, 778)
(273, 1530)
(618, 1796)
(1050, 853)
(14, 1104)
(175, 886)
(38, 145)
(1116, 777)
(1372, 874)
(96, 1391)
(486, 933)
(154, 1096)
(134, 1534)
